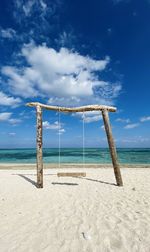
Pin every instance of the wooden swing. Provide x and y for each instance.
(104, 109)
(71, 174)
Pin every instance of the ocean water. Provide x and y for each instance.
(75, 155)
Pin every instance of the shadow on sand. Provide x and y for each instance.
(24, 176)
(98, 181)
(27, 179)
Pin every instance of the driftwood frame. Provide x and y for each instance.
(111, 143)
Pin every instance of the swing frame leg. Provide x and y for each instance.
(39, 143)
(112, 148)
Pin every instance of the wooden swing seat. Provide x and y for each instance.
(71, 174)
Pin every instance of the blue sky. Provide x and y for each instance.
(72, 53)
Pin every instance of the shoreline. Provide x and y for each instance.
(30, 166)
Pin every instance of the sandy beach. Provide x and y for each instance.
(75, 214)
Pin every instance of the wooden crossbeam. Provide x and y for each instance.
(76, 109)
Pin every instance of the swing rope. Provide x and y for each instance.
(83, 139)
(59, 136)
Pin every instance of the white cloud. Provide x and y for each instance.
(5, 116)
(43, 4)
(131, 126)
(89, 116)
(8, 33)
(134, 139)
(64, 77)
(145, 119)
(38, 18)
(19, 84)
(54, 126)
(9, 100)
(103, 127)
(12, 134)
(123, 120)
(61, 131)
(27, 115)
(92, 116)
(14, 121)
(28, 6)
(90, 119)
(63, 38)
(66, 39)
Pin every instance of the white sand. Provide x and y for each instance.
(75, 214)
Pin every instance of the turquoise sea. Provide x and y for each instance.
(75, 155)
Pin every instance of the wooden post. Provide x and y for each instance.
(39, 148)
(112, 148)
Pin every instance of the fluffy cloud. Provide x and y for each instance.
(145, 118)
(37, 19)
(8, 33)
(9, 100)
(31, 5)
(19, 83)
(90, 116)
(66, 39)
(35, 12)
(90, 119)
(28, 7)
(61, 131)
(14, 121)
(131, 126)
(64, 77)
(134, 139)
(123, 120)
(7, 117)
(54, 126)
